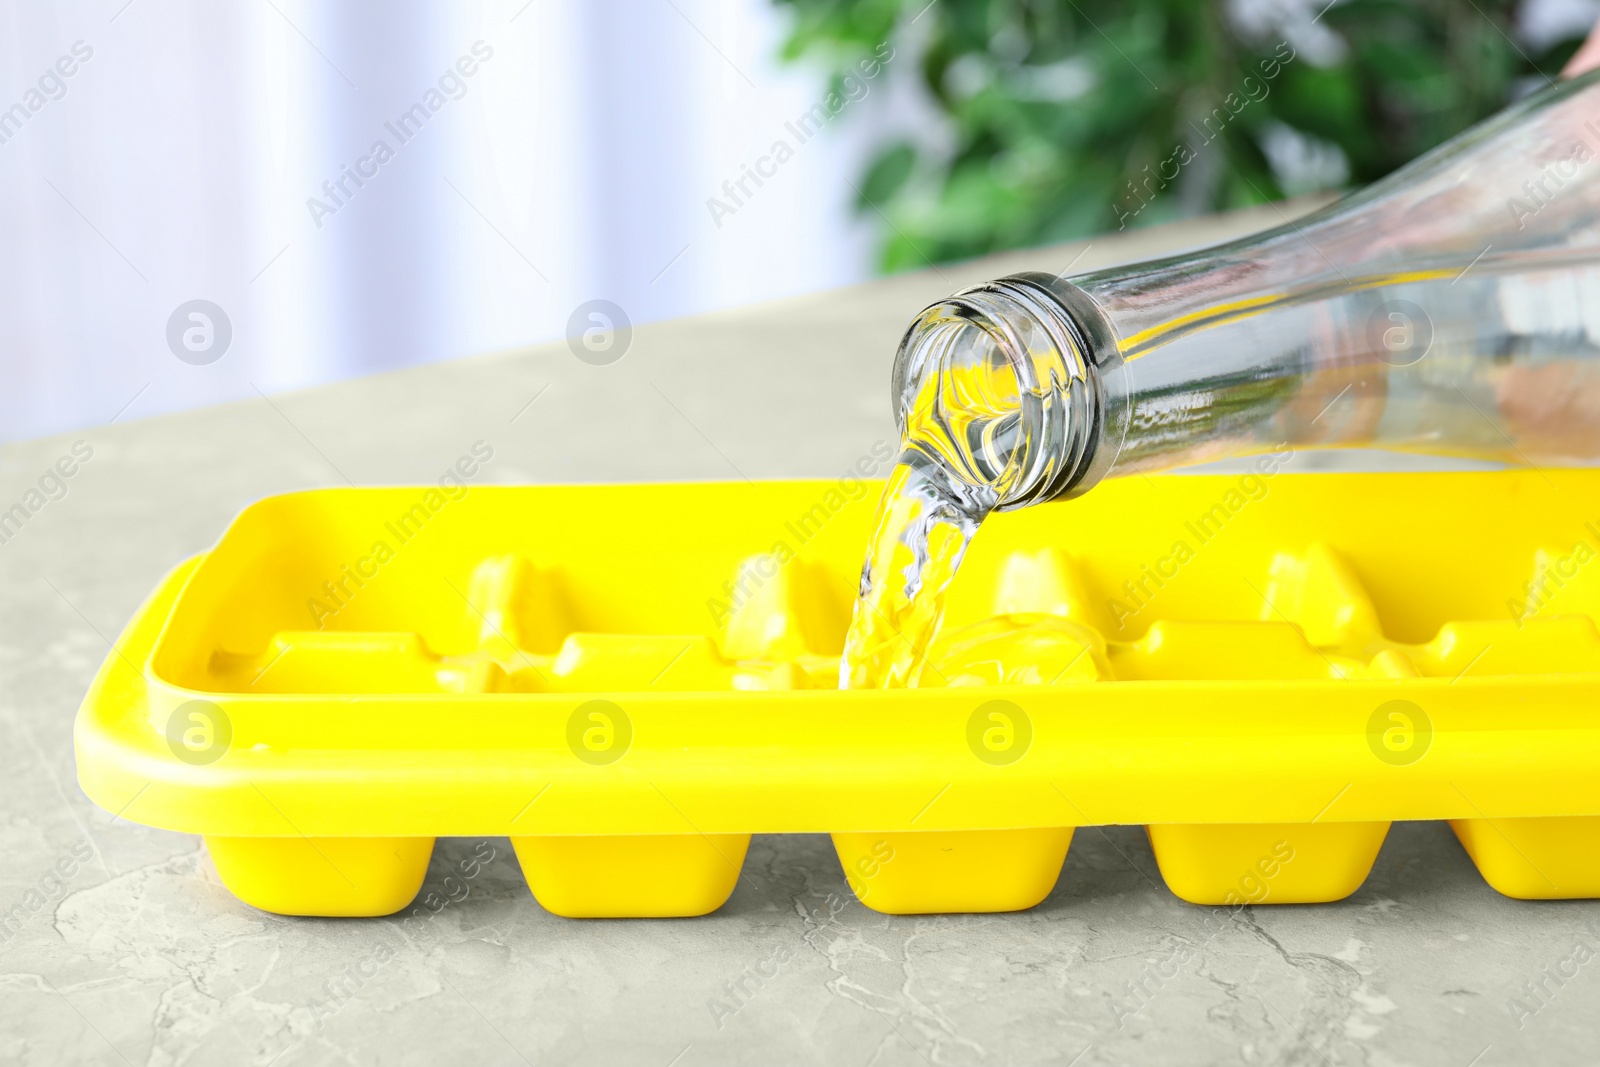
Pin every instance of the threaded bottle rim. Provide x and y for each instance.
(1051, 337)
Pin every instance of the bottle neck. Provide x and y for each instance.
(1002, 385)
(1443, 309)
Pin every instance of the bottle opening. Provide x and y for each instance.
(994, 386)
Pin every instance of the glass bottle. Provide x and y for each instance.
(1453, 307)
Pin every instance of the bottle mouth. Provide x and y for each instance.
(1001, 385)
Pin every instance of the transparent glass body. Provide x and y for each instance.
(1453, 307)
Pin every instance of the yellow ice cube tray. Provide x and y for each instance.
(630, 680)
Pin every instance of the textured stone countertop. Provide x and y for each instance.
(137, 954)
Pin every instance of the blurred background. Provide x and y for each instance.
(281, 193)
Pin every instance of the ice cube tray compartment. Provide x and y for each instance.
(1207, 657)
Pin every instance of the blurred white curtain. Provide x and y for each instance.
(574, 162)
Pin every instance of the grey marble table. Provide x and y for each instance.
(120, 945)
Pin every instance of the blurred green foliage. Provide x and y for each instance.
(1071, 117)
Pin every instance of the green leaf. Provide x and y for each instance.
(886, 175)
